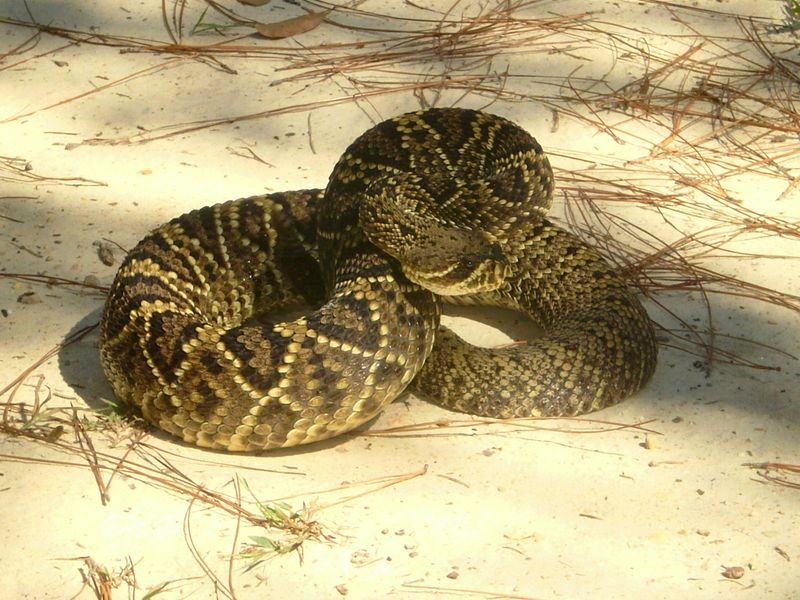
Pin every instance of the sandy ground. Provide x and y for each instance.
(104, 139)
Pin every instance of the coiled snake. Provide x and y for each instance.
(438, 204)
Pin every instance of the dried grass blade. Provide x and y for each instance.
(90, 454)
(70, 339)
(100, 88)
(219, 586)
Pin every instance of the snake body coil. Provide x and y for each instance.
(441, 204)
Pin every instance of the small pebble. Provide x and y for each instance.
(733, 572)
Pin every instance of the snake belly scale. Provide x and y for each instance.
(438, 205)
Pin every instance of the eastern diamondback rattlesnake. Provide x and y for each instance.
(440, 204)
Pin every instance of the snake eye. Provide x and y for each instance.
(469, 262)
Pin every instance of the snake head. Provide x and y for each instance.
(446, 259)
(453, 262)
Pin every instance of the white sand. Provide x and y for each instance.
(500, 511)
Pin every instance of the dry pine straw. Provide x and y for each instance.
(728, 113)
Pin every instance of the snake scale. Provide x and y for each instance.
(437, 205)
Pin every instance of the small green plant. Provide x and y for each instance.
(791, 9)
(263, 548)
(291, 528)
(204, 27)
(117, 422)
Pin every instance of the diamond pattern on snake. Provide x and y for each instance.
(441, 205)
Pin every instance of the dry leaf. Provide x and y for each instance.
(255, 2)
(290, 27)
